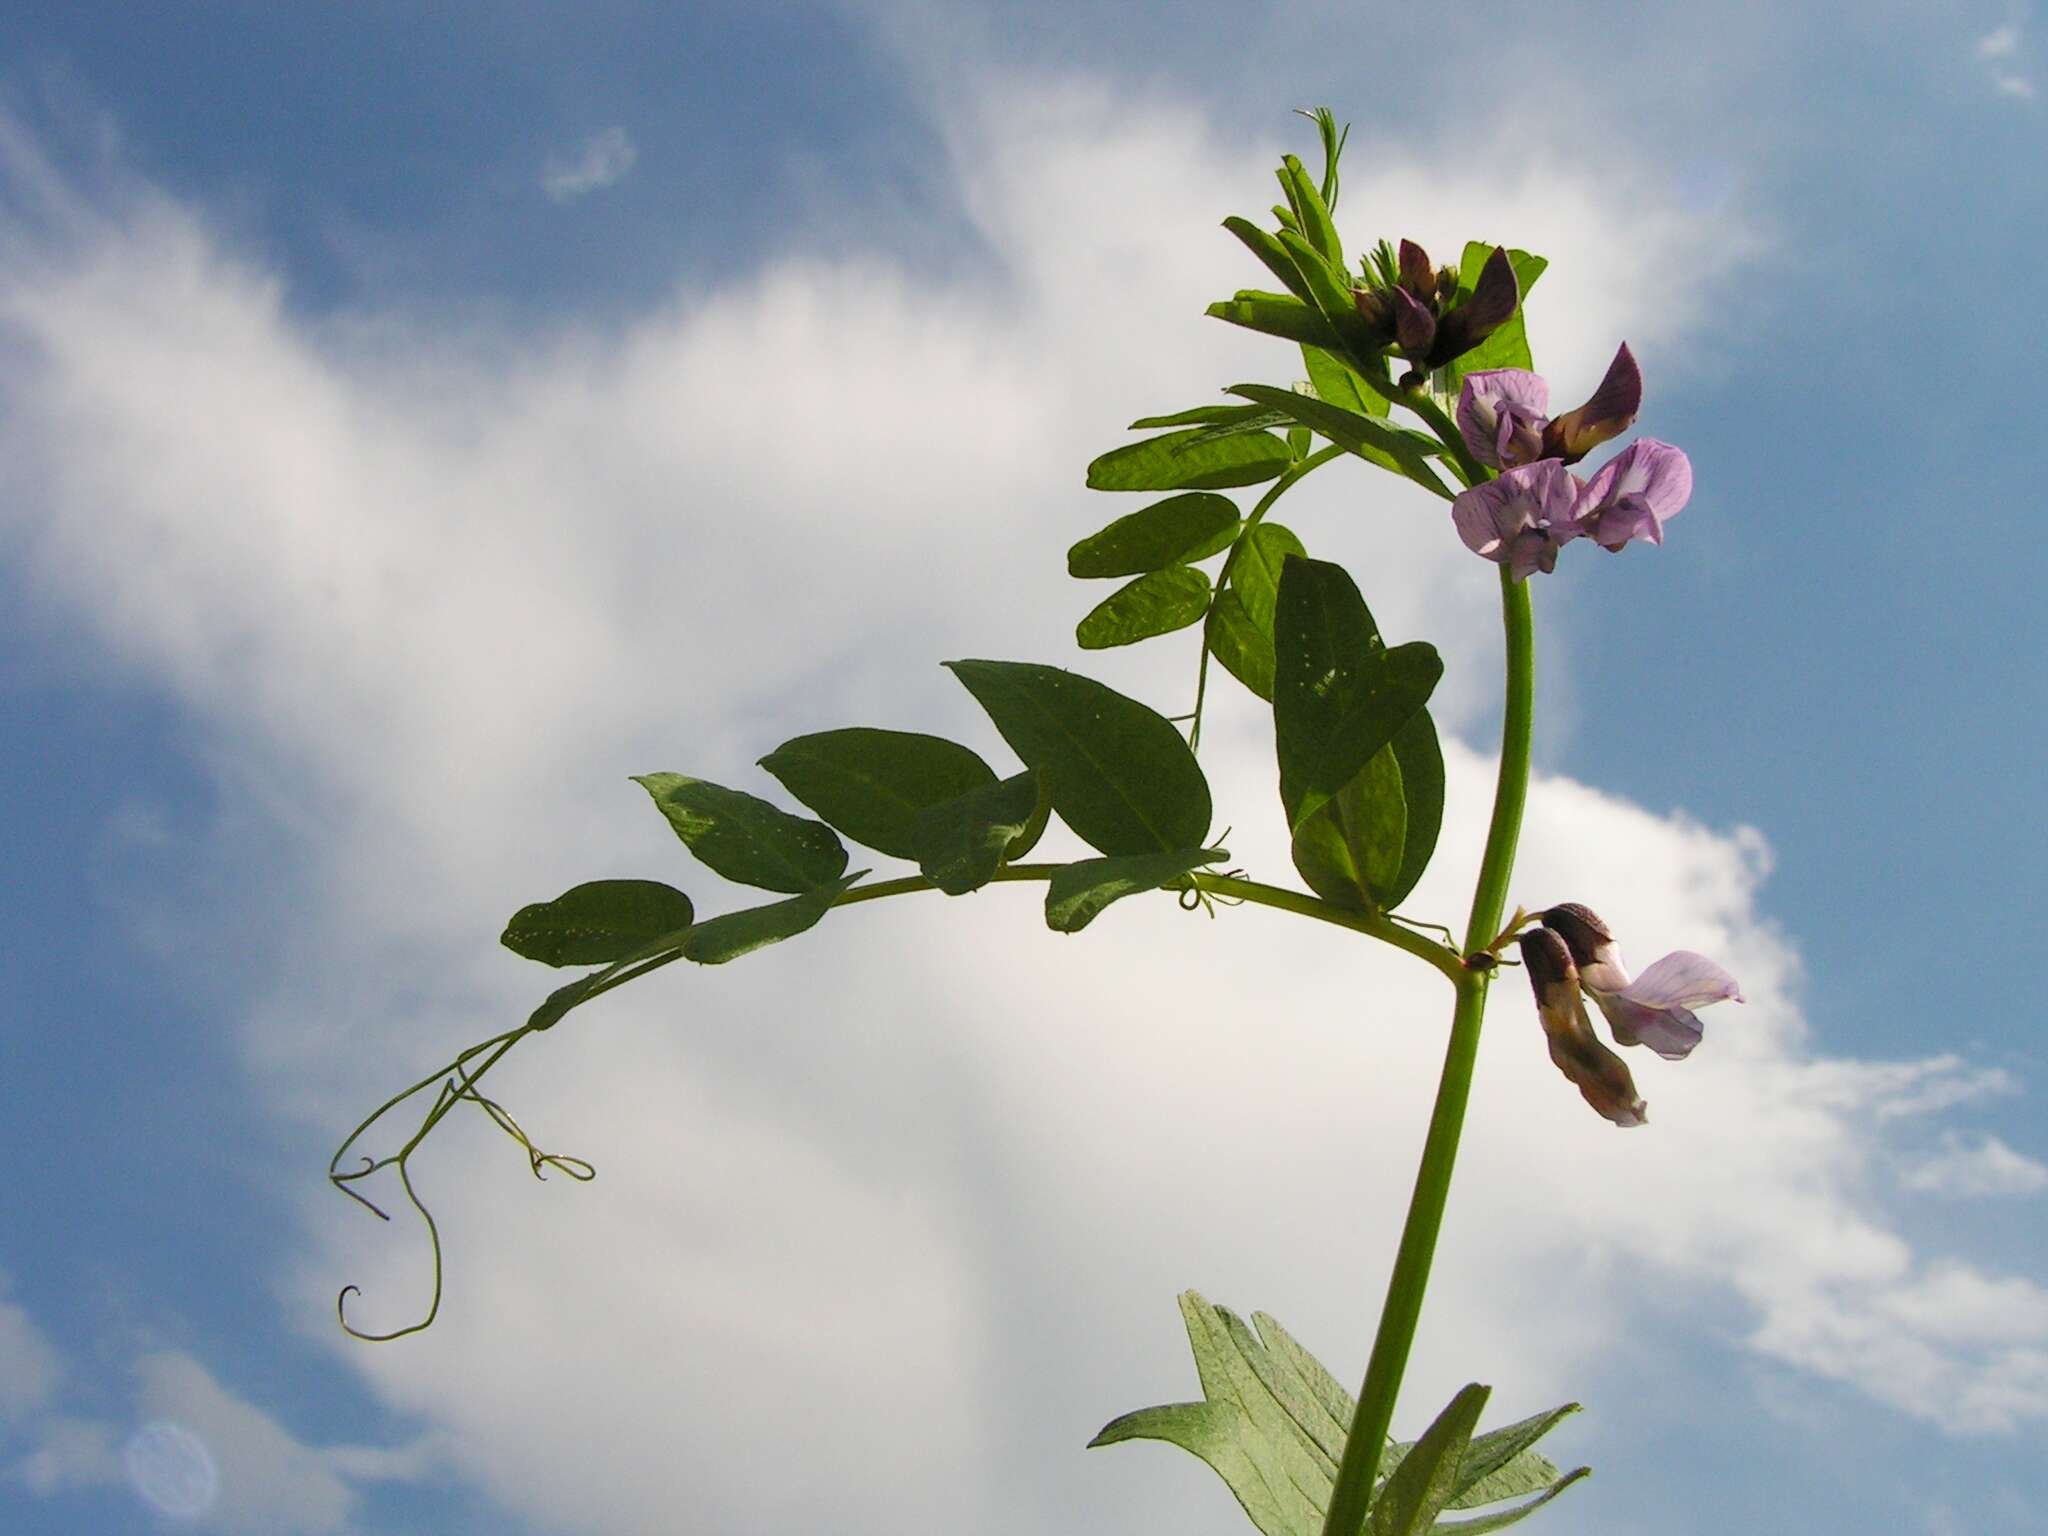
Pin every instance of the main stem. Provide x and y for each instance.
(1360, 1466)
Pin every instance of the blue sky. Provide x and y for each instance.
(416, 422)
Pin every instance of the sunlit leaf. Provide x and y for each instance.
(870, 784)
(1177, 531)
(1118, 773)
(1174, 462)
(1245, 650)
(744, 838)
(1337, 382)
(1267, 247)
(1157, 603)
(1078, 892)
(732, 934)
(1198, 416)
(1277, 314)
(597, 922)
(1403, 452)
(1310, 212)
(1255, 574)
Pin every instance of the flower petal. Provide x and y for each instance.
(1634, 493)
(1683, 979)
(1414, 325)
(1671, 1032)
(1484, 410)
(1607, 413)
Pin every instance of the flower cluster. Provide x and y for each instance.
(1416, 309)
(1537, 505)
(1572, 956)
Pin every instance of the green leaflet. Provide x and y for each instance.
(963, 842)
(1255, 574)
(1272, 1424)
(744, 838)
(1175, 462)
(1369, 844)
(1078, 892)
(1421, 761)
(1348, 849)
(1277, 314)
(597, 922)
(1244, 649)
(1268, 249)
(1118, 773)
(1157, 603)
(1339, 695)
(1329, 286)
(1419, 1488)
(1508, 346)
(871, 784)
(1403, 452)
(1340, 385)
(1177, 531)
(732, 934)
(1311, 214)
(1197, 416)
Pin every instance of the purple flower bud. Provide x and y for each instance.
(1521, 519)
(1417, 275)
(1602, 1077)
(1502, 414)
(1608, 413)
(1633, 494)
(1494, 298)
(1414, 325)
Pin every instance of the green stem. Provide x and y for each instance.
(1359, 1469)
(1231, 888)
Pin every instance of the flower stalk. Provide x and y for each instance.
(1359, 1469)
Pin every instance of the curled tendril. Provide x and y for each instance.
(455, 1082)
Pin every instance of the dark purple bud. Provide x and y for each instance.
(1608, 413)
(1375, 309)
(1417, 275)
(1494, 298)
(1414, 325)
(1592, 946)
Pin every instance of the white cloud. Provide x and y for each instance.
(1974, 1169)
(600, 161)
(2003, 53)
(936, 1169)
(29, 1366)
(193, 1451)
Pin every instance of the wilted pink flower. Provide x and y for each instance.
(1602, 1077)
(1655, 1009)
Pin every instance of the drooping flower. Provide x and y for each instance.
(1415, 311)
(1501, 414)
(1601, 1076)
(1634, 493)
(1522, 519)
(1655, 1009)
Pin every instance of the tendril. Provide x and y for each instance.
(454, 1082)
